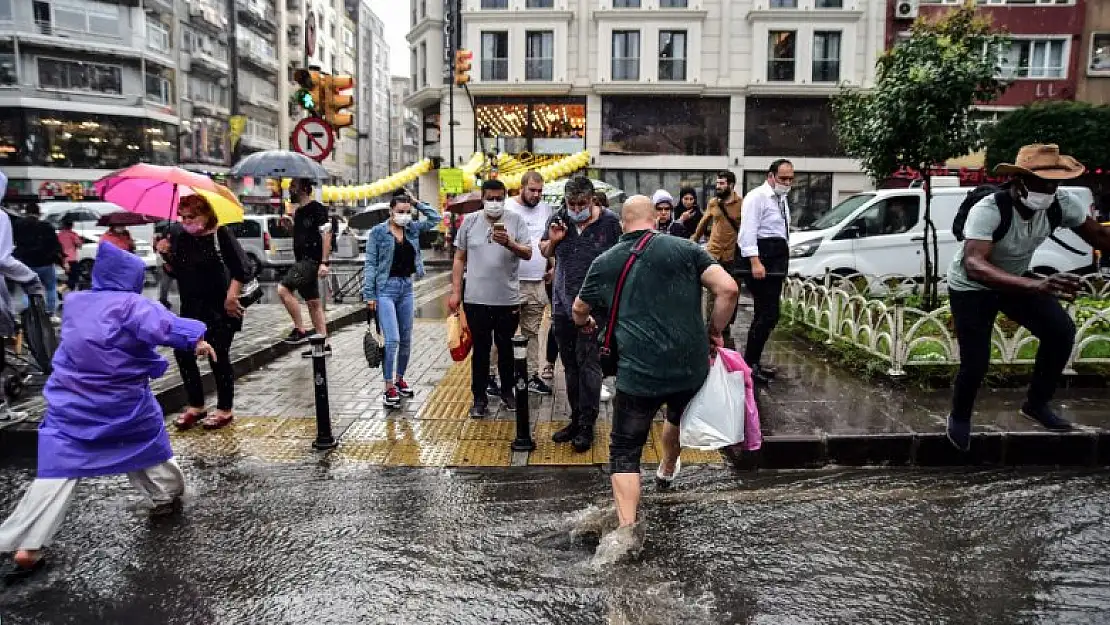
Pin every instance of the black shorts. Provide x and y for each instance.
(302, 278)
(632, 417)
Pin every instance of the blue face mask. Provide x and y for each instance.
(579, 216)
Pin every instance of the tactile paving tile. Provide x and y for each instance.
(279, 450)
(689, 456)
(367, 452)
(488, 430)
(421, 454)
(363, 430)
(295, 427)
(481, 453)
(557, 454)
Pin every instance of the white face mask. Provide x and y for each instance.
(781, 189)
(402, 219)
(493, 208)
(1038, 201)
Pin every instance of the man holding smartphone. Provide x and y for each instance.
(989, 274)
(489, 246)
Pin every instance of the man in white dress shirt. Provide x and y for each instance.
(765, 258)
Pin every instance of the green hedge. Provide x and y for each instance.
(1080, 129)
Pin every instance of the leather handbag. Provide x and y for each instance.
(609, 353)
(373, 345)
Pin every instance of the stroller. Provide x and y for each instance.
(28, 356)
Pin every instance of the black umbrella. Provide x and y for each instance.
(125, 219)
(279, 164)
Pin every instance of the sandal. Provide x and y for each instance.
(189, 418)
(20, 571)
(216, 421)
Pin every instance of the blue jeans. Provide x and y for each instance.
(395, 310)
(49, 281)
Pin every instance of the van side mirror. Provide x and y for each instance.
(850, 232)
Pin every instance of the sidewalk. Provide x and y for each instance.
(813, 415)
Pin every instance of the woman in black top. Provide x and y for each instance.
(211, 269)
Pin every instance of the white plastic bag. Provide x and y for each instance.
(714, 418)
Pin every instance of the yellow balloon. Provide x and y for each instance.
(286, 183)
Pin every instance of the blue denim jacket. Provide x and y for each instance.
(379, 250)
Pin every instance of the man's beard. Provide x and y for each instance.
(531, 204)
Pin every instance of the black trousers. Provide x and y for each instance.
(222, 371)
(489, 326)
(582, 370)
(974, 312)
(766, 293)
(632, 418)
(552, 345)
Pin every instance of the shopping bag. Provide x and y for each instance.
(714, 418)
(458, 337)
(753, 435)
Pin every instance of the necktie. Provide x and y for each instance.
(782, 209)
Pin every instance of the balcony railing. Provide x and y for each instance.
(51, 30)
(780, 70)
(672, 69)
(495, 69)
(626, 69)
(539, 69)
(826, 71)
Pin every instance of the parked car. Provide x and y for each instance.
(253, 239)
(881, 233)
(85, 215)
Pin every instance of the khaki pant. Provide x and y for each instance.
(533, 302)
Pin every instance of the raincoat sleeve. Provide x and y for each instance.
(153, 324)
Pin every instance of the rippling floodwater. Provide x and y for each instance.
(305, 544)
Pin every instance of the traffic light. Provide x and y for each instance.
(462, 67)
(310, 96)
(335, 102)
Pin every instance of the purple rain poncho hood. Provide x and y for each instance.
(101, 416)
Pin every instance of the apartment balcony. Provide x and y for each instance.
(257, 16)
(210, 109)
(261, 140)
(260, 100)
(212, 61)
(78, 41)
(266, 64)
(207, 17)
(159, 7)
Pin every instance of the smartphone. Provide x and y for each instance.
(499, 227)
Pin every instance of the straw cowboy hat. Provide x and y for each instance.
(1042, 161)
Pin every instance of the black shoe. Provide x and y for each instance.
(1046, 418)
(759, 376)
(566, 434)
(308, 352)
(584, 439)
(509, 402)
(959, 434)
(492, 388)
(296, 337)
(770, 372)
(480, 409)
(536, 386)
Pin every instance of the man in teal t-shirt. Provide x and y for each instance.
(662, 342)
(989, 276)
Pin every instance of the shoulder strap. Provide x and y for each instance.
(1005, 203)
(632, 256)
(1055, 214)
(721, 206)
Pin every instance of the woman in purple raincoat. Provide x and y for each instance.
(102, 417)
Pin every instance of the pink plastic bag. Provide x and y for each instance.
(753, 437)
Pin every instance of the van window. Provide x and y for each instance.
(841, 211)
(248, 229)
(893, 215)
(280, 228)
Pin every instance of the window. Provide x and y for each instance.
(495, 56)
(830, 4)
(1100, 53)
(7, 67)
(423, 64)
(159, 90)
(783, 127)
(157, 36)
(495, 4)
(539, 55)
(662, 125)
(77, 76)
(826, 56)
(423, 9)
(626, 4)
(784, 4)
(5, 10)
(89, 141)
(892, 216)
(810, 196)
(781, 48)
(539, 4)
(672, 55)
(673, 4)
(626, 55)
(414, 64)
(1034, 58)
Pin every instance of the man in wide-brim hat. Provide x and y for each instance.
(990, 274)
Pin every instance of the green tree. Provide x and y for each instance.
(918, 113)
(1079, 128)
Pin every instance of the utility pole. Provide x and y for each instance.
(233, 64)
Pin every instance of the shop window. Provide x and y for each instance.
(648, 181)
(784, 127)
(87, 141)
(78, 76)
(660, 125)
(810, 195)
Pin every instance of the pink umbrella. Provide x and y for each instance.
(151, 190)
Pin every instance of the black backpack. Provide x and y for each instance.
(1005, 203)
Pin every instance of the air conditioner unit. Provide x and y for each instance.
(907, 9)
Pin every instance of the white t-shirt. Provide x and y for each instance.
(536, 218)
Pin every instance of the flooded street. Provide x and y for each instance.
(275, 544)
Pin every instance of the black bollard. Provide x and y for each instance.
(523, 441)
(324, 439)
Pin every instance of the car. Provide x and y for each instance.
(86, 258)
(253, 239)
(85, 214)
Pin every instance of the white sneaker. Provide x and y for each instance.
(663, 480)
(606, 394)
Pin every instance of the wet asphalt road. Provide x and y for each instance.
(276, 544)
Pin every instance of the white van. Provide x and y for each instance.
(881, 233)
(85, 215)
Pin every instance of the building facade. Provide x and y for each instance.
(404, 139)
(374, 88)
(663, 93)
(1094, 73)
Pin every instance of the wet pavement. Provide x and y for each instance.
(328, 543)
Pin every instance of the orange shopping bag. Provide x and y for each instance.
(458, 337)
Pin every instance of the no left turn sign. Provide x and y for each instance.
(313, 137)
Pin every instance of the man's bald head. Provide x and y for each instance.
(638, 213)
